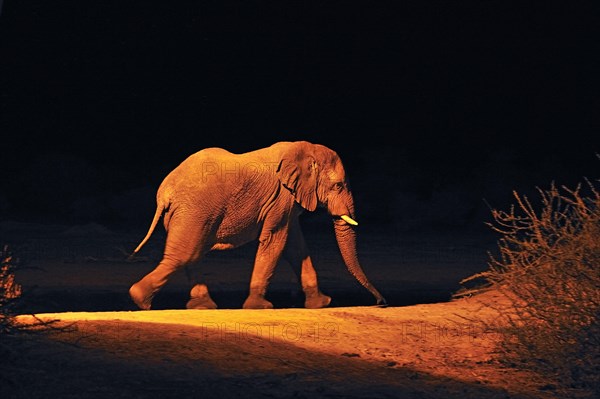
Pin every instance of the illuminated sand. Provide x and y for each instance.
(433, 350)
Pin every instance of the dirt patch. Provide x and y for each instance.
(423, 351)
(422, 346)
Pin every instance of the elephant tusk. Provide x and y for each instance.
(349, 220)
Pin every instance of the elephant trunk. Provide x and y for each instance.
(346, 239)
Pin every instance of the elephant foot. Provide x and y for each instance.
(257, 302)
(200, 298)
(141, 295)
(315, 299)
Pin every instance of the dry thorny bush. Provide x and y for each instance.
(10, 298)
(548, 265)
(10, 291)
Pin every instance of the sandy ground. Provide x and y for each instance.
(422, 346)
(419, 351)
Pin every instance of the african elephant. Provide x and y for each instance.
(216, 200)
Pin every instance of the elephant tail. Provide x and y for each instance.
(160, 207)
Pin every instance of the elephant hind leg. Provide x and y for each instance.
(141, 293)
(184, 246)
(200, 298)
(144, 290)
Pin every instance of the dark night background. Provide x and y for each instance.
(436, 107)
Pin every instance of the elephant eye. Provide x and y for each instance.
(338, 186)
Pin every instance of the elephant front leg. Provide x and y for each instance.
(314, 298)
(296, 253)
(269, 251)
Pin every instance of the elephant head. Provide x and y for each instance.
(315, 176)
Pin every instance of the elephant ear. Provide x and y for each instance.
(297, 172)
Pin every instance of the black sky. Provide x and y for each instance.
(99, 98)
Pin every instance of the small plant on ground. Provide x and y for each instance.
(548, 266)
(10, 291)
(11, 330)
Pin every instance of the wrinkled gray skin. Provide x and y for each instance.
(217, 200)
